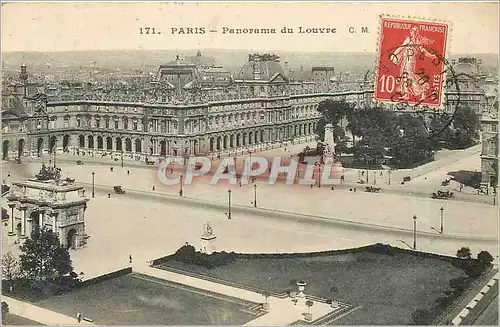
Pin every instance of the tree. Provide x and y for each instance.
(421, 317)
(10, 267)
(44, 259)
(5, 214)
(465, 127)
(464, 253)
(485, 257)
(333, 112)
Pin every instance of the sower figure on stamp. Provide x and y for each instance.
(406, 55)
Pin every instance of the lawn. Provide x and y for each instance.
(388, 287)
(141, 300)
(15, 320)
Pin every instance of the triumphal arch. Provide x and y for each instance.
(47, 201)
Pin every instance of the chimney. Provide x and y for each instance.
(256, 71)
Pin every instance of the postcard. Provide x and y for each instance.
(249, 163)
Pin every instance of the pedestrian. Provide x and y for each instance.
(354, 189)
(153, 187)
(110, 168)
(128, 172)
(109, 195)
(79, 317)
(171, 170)
(130, 258)
(333, 187)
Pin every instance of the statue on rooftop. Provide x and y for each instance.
(48, 173)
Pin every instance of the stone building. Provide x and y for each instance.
(465, 86)
(48, 202)
(324, 77)
(473, 88)
(489, 136)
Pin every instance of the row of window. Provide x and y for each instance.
(117, 109)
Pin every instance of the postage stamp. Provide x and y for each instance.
(411, 62)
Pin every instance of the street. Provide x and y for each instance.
(489, 317)
(148, 224)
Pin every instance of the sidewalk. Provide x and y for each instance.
(459, 217)
(40, 315)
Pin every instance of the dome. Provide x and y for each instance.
(464, 68)
(267, 69)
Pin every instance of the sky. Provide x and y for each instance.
(114, 26)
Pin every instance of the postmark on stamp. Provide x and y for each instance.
(411, 62)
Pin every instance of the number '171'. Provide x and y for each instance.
(147, 30)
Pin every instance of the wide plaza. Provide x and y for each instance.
(148, 224)
(145, 224)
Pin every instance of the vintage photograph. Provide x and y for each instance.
(249, 163)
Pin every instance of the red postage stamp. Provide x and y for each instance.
(411, 62)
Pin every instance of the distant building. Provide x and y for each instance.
(489, 136)
(469, 86)
(465, 86)
(324, 78)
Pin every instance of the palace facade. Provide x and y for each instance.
(188, 109)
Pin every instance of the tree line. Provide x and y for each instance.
(396, 139)
(44, 267)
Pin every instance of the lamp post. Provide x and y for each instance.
(250, 161)
(255, 195)
(319, 177)
(389, 174)
(442, 210)
(494, 195)
(414, 232)
(122, 158)
(93, 184)
(228, 214)
(181, 191)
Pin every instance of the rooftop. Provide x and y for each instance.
(52, 185)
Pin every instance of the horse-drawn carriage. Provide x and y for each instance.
(118, 189)
(372, 189)
(149, 161)
(442, 195)
(79, 162)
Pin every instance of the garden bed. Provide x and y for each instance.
(388, 287)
